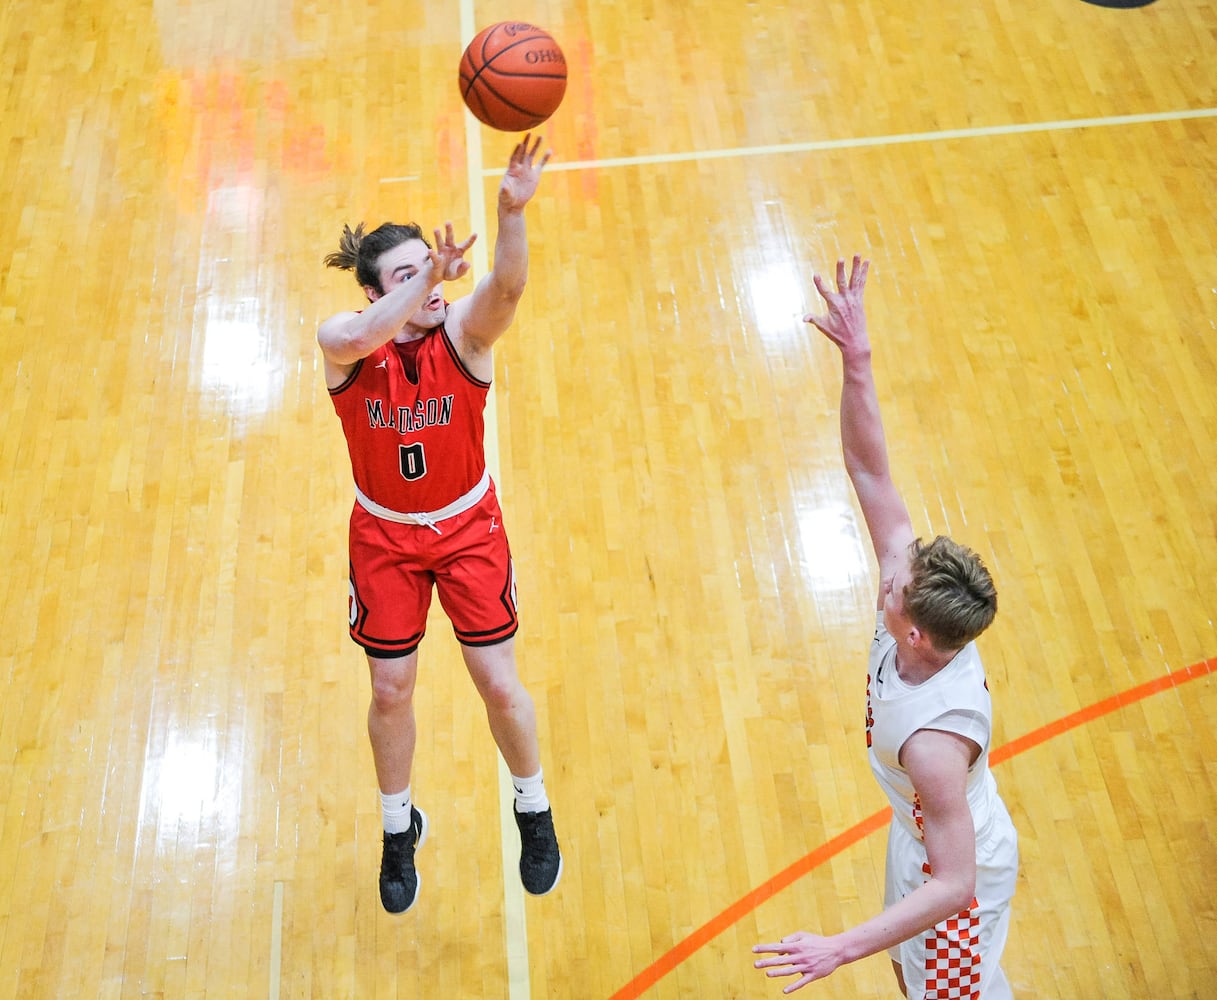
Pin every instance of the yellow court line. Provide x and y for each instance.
(276, 943)
(515, 924)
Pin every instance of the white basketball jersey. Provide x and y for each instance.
(955, 700)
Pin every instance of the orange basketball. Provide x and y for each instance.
(513, 76)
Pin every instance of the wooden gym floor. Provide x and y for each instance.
(187, 803)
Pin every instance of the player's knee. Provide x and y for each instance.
(392, 690)
(504, 694)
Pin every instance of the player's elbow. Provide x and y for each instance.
(343, 349)
(509, 288)
(958, 893)
(344, 340)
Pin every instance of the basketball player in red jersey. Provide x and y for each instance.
(952, 853)
(409, 376)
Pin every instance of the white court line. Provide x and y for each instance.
(276, 942)
(515, 925)
(879, 140)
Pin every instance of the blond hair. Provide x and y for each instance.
(950, 595)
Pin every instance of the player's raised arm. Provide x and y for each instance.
(862, 438)
(478, 320)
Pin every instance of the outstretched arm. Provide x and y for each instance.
(862, 438)
(477, 321)
(938, 764)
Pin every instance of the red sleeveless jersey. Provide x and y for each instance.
(414, 425)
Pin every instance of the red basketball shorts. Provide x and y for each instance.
(394, 568)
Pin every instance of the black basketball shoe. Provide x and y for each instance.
(398, 879)
(540, 859)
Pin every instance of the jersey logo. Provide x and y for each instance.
(424, 413)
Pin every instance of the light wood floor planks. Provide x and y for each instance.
(187, 803)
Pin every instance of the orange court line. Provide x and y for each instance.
(649, 976)
(1101, 708)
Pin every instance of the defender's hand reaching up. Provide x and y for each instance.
(523, 174)
(845, 322)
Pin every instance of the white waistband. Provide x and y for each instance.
(429, 519)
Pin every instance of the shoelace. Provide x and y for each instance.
(399, 847)
(534, 833)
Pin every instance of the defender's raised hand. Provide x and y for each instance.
(845, 322)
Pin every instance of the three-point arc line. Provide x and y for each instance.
(766, 890)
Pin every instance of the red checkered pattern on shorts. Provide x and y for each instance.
(952, 964)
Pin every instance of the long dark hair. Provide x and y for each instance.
(359, 252)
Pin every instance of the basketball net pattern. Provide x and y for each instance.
(952, 964)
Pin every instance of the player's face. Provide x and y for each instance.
(399, 265)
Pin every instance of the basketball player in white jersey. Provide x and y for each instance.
(952, 855)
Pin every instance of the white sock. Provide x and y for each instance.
(530, 794)
(395, 811)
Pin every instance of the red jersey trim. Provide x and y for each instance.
(456, 360)
(452, 353)
(346, 384)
